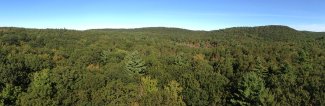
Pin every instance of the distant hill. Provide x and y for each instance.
(144, 28)
(257, 29)
(274, 32)
(268, 32)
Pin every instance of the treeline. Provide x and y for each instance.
(267, 65)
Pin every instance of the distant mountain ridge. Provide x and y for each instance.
(244, 28)
(279, 27)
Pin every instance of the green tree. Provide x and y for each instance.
(181, 60)
(134, 64)
(41, 90)
(115, 93)
(9, 95)
(251, 91)
(259, 68)
(10, 39)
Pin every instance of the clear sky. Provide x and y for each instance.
(189, 14)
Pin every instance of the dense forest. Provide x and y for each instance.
(265, 65)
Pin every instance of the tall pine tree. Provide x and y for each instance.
(134, 64)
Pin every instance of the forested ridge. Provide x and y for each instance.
(265, 65)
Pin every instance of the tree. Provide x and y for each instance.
(10, 39)
(41, 90)
(259, 68)
(193, 94)
(181, 60)
(149, 92)
(172, 96)
(115, 93)
(9, 94)
(251, 91)
(134, 64)
(149, 85)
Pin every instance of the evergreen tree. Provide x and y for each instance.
(251, 91)
(134, 64)
(259, 68)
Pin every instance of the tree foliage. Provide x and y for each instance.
(266, 65)
(251, 91)
(134, 64)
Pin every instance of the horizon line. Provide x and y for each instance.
(85, 29)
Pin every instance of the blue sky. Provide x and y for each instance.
(189, 14)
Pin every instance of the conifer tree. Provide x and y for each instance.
(134, 64)
(251, 91)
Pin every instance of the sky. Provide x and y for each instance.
(189, 14)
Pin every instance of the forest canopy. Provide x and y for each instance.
(266, 65)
